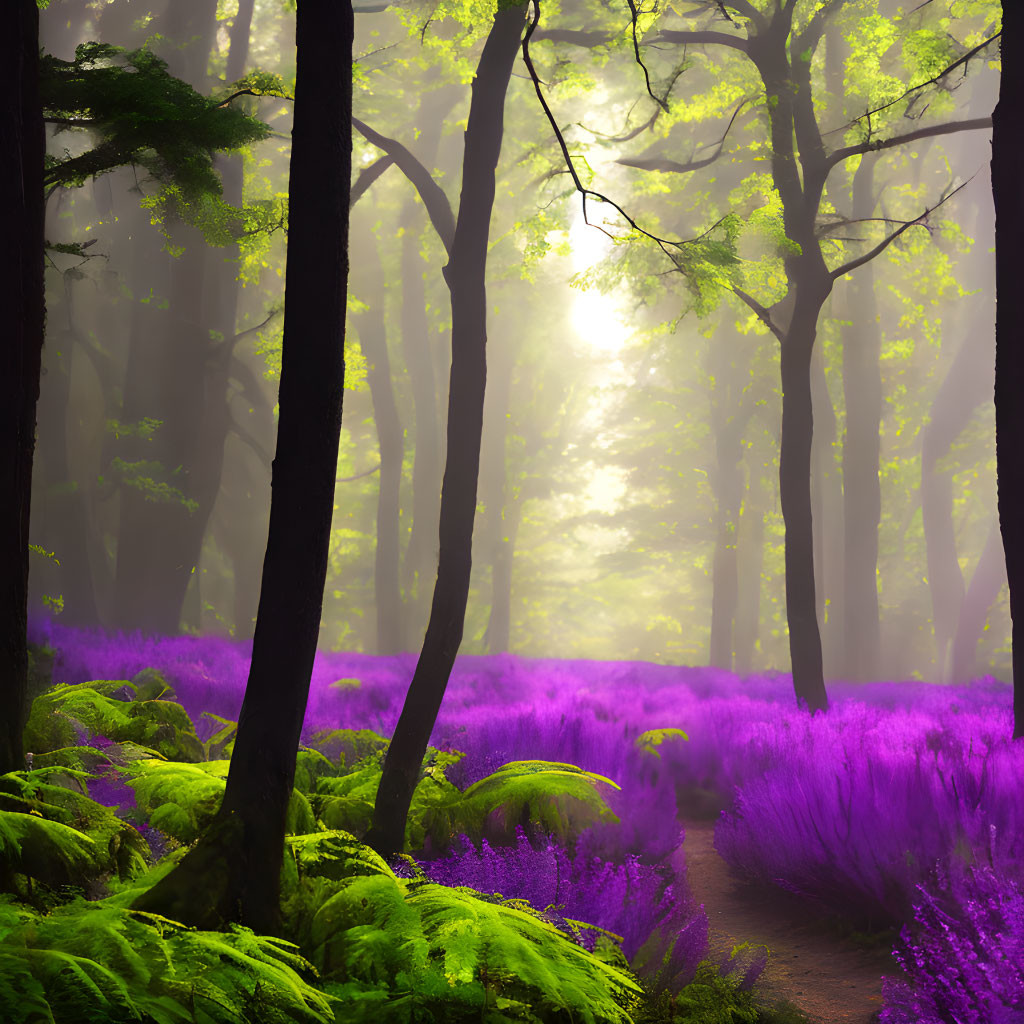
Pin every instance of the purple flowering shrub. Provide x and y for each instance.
(898, 786)
(664, 933)
(963, 960)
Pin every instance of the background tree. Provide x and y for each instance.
(233, 874)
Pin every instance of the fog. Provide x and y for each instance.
(629, 498)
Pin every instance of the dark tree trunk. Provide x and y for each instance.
(986, 582)
(1008, 193)
(795, 498)
(390, 441)
(233, 874)
(21, 298)
(465, 275)
(862, 492)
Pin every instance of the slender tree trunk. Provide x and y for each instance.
(373, 338)
(795, 497)
(827, 495)
(1008, 193)
(233, 874)
(21, 298)
(862, 492)
(465, 275)
(751, 549)
(986, 582)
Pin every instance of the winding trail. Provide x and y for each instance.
(831, 980)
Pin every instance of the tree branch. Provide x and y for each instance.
(949, 128)
(664, 164)
(763, 313)
(367, 176)
(846, 268)
(576, 37)
(701, 37)
(438, 208)
(357, 476)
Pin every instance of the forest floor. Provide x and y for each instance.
(831, 979)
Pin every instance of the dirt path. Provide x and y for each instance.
(832, 981)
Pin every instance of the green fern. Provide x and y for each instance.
(58, 836)
(181, 799)
(92, 962)
(561, 799)
(349, 746)
(63, 713)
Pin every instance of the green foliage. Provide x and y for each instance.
(181, 799)
(653, 738)
(396, 950)
(714, 998)
(60, 714)
(561, 799)
(93, 963)
(140, 114)
(348, 746)
(151, 479)
(50, 831)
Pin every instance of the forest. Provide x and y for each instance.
(512, 512)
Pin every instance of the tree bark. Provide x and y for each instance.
(465, 276)
(862, 492)
(1008, 194)
(21, 298)
(233, 873)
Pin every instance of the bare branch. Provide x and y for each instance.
(357, 476)
(846, 268)
(367, 176)
(664, 164)
(663, 103)
(701, 37)
(763, 313)
(949, 128)
(438, 208)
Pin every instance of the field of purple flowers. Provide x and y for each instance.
(900, 807)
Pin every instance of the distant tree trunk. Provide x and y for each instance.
(390, 442)
(466, 279)
(1008, 193)
(751, 559)
(730, 415)
(986, 582)
(966, 385)
(862, 492)
(827, 497)
(21, 298)
(233, 873)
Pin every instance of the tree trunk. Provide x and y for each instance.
(1008, 193)
(986, 582)
(465, 276)
(233, 874)
(751, 550)
(21, 298)
(827, 495)
(795, 498)
(862, 492)
(373, 338)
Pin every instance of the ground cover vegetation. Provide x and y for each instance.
(758, 437)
